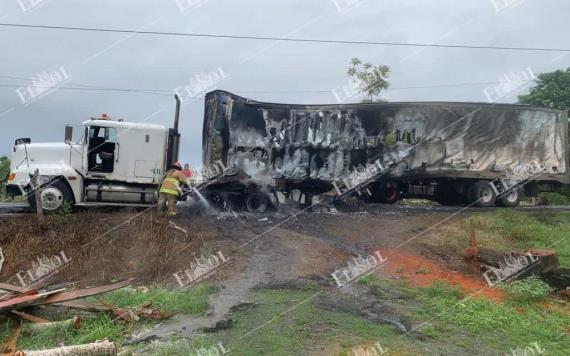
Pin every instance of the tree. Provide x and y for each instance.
(369, 79)
(4, 171)
(552, 91)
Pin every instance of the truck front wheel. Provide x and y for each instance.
(510, 199)
(54, 196)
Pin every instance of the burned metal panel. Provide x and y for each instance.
(324, 142)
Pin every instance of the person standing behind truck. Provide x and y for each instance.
(186, 171)
(170, 188)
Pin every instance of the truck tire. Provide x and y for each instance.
(481, 194)
(257, 203)
(216, 201)
(55, 195)
(385, 192)
(511, 199)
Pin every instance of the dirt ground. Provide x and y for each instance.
(282, 248)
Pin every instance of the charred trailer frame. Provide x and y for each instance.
(444, 149)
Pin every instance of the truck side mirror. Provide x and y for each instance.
(68, 134)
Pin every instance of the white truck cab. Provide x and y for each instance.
(111, 163)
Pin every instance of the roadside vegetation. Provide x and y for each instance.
(447, 323)
(102, 325)
(507, 230)
(4, 171)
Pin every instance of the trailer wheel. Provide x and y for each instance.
(54, 197)
(510, 199)
(216, 201)
(256, 203)
(385, 192)
(481, 194)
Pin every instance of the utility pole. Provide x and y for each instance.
(36, 190)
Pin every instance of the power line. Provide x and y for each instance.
(85, 86)
(141, 91)
(388, 89)
(269, 38)
(169, 92)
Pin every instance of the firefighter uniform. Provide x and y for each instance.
(170, 190)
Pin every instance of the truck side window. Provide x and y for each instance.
(111, 135)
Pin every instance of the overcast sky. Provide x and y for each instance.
(258, 69)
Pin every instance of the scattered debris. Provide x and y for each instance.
(39, 327)
(29, 317)
(502, 267)
(470, 253)
(10, 344)
(176, 227)
(141, 312)
(1, 259)
(18, 303)
(99, 348)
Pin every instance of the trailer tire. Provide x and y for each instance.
(55, 195)
(216, 201)
(481, 194)
(257, 203)
(385, 192)
(510, 199)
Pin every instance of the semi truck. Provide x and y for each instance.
(112, 163)
(451, 152)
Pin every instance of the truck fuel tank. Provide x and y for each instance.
(120, 193)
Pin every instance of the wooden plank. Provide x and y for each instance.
(87, 292)
(30, 298)
(76, 304)
(100, 348)
(34, 329)
(12, 288)
(29, 317)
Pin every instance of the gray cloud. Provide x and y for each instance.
(159, 62)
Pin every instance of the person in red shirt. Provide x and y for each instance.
(186, 171)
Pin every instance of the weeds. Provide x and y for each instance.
(529, 290)
(507, 230)
(193, 301)
(554, 199)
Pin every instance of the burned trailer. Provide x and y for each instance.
(451, 152)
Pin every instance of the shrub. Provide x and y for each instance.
(531, 289)
(554, 199)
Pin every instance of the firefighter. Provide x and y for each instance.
(170, 188)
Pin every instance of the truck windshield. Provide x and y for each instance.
(102, 147)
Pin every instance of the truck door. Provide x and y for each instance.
(102, 149)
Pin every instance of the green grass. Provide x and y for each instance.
(554, 199)
(300, 330)
(476, 322)
(509, 230)
(531, 289)
(193, 301)
(455, 325)
(101, 325)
